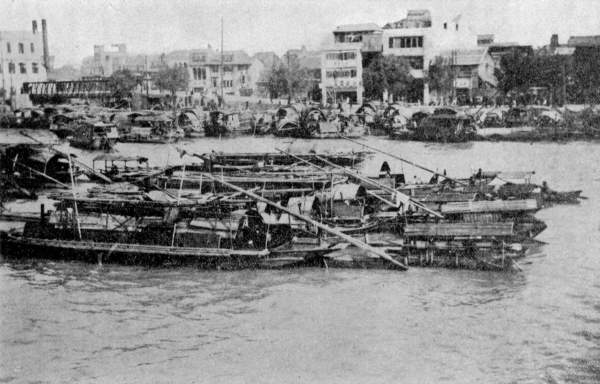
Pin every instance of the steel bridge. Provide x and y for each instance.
(48, 90)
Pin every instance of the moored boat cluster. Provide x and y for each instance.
(233, 210)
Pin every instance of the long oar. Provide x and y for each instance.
(405, 161)
(317, 224)
(379, 185)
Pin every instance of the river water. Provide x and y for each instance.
(72, 322)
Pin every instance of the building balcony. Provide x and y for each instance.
(417, 51)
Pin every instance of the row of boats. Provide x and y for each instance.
(99, 128)
(238, 210)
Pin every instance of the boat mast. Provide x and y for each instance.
(74, 196)
(222, 68)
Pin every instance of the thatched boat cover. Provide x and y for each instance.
(490, 206)
(451, 230)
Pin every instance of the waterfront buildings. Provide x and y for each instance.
(420, 38)
(24, 57)
(206, 68)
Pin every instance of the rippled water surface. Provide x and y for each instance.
(72, 322)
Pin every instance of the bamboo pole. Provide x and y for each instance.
(315, 223)
(384, 187)
(43, 175)
(325, 170)
(74, 197)
(405, 161)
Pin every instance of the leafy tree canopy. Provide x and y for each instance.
(122, 82)
(172, 79)
(389, 73)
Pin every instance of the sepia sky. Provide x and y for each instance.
(155, 26)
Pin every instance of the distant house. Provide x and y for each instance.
(498, 50)
(64, 73)
(555, 48)
(474, 72)
(23, 58)
(584, 41)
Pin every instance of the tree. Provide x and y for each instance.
(276, 80)
(122, 82)
(586, 74)
(289, 80)
(298, 78)
(516, 73)
(389, 73)
(172, 80)
(440, 77)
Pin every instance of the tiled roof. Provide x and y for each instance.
(465, 56)
(584, 41)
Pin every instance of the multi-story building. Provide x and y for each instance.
(23, 58)
(109, 59)
(473, 71)
(355, 45)
(207, 68)
(341, 73)
(419, 38)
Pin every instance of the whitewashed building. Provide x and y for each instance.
(420, 38)
(341, 73)
(23, 58)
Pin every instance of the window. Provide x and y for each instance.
(341, 73)
(406, 42)
(34, 67)
(445, 25)
(11, 67)
(21, 48)
(8, 47)
(32, 47)
(22, 68)
(227, 83)
(341, 56)
(199, 73)
(457, 27)
(215, 81)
